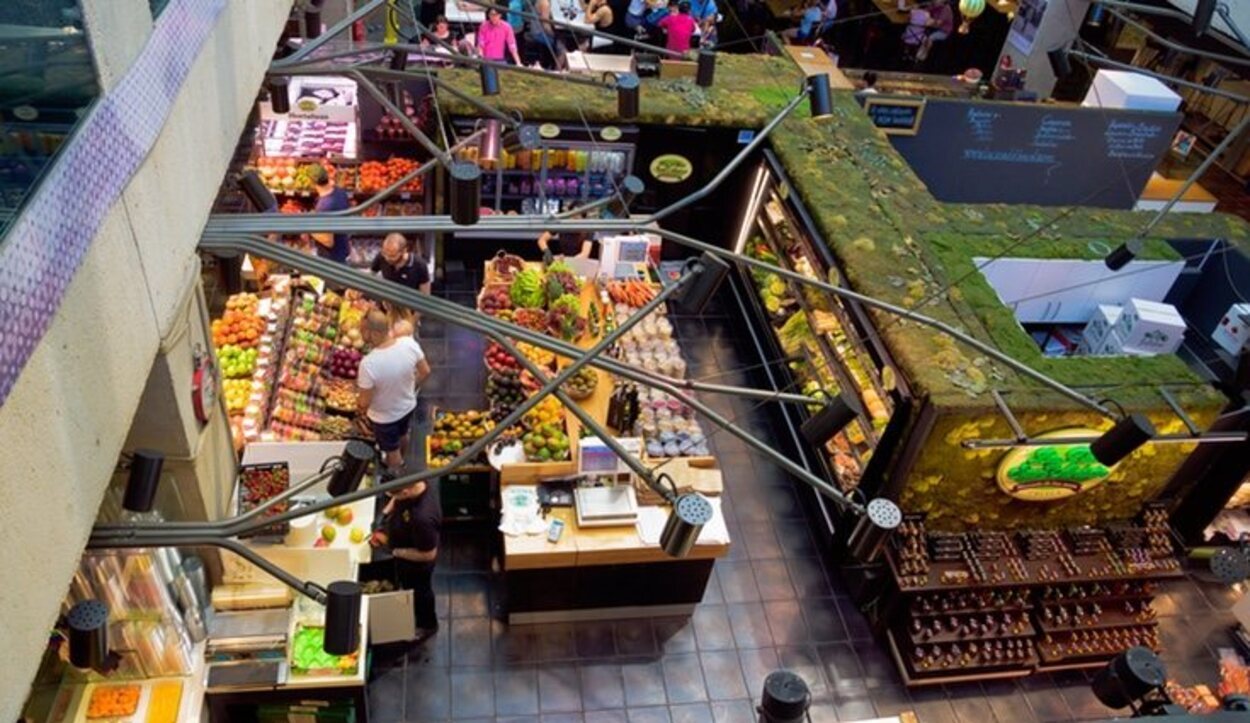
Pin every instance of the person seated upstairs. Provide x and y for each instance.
(917, 31)
(809, 23)
(941, 25)
(598, 16)
(679, 28)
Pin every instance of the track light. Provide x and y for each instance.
(529, 138)
(342, 632)
(1129, 677)
(628, 86)
(706, 69)
(279, 88)
(1060, 65)
(1230, 565)
(145, 475)
(1122, 440)
(819, 96)
(690, 513)
(488, 147)
(399, 60)
(631, 187)
(1204, 13)
(833, 418)
(698, 292)
(353, 462)
(257, 193)
(872, 530)
(88, 623)
(466, 192)
(312, 24)
(786, 698)
(490, 79)
(1123, 254)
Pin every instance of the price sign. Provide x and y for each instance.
(895, 116)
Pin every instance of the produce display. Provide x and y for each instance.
(504, 268)
(631, 293)
(293, 175)
(564, 319)
(308, 655)
(504, 391)
(237, 362)
(582, 384)
(308, 138)
(533, 319)
(527, 290)
(113, 701)
(261, 482)
(494, 299)
(340, 395)
(237, 328)
(236, 393)
(499, 360)
(453, 431)
(165, 699)
(345, 362)
(377, 175)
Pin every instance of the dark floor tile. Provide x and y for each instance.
(854, 707)
(427, 694)
(635, 637)
(823, 710)
(1219, 596)
(733, 711)
(842, 668)
(594, 640)
(786, 622)
(761, 541)
(785, 508)
(796, 539)
(805, 661)
(879, 667)
(562, 718)
(1045, 700)
(723, 675)
(515, 644)
(891, 700)
(1189, 598)
(606, 716)
(683, 678)
(711, 628)
(857, 627)
(1007, 701)
(1166, 606)
(772, 577)
(386, 695)
(691, 713)
(674, 635)
(559, 689)
(516, 691)
(824, 621)
(434, 651)
(807, 574)
(737, 581)
(756, 665)
(1083, 704)
(644, 684)
(751, 504)
(657, 714)
(931, 704)
(602, 686)
(472, 693)
(470, 642)
(555, 642)
(1200, 669)
(469, 595)
(749, 625)
(712, 593)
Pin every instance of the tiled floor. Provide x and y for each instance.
(771, 604)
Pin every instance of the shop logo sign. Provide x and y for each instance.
(671, 168)
(1052, 472)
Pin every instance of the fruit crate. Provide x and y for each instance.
(434, 438)
(261, 482)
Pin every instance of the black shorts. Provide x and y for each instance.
(389, 434)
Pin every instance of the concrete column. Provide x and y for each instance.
(117, 30)
(1061, 22)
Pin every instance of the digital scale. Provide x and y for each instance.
(606, 506)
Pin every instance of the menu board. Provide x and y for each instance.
(895, 116)
(986, 152)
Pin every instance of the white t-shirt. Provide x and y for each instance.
(391, 373)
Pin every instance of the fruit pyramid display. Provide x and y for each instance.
(237, 328)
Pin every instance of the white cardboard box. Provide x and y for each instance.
(1125, 89)
(1149, 327)
(1104, 318)
(1233, 331)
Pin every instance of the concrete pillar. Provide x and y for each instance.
(116, 31)
(1060, 24)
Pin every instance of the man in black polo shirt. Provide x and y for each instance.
(413, 524)
(396, 262)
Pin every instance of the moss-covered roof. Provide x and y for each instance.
(897, 243)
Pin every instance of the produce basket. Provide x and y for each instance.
(502, 268)
(261, 482)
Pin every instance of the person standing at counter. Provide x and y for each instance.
(333, 246)
(399, 263)
(572, 245)
(495, 37)
(678, 28)
(388, 381)
(414, 520)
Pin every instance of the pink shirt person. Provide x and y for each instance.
(678, 28)
(494, 36)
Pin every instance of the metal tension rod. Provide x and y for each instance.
(430, 146)
(1112, 6)
(308, 47)
(1108, 62)
(1208, 438)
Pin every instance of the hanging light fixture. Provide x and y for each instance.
(1123, 254)
(466, 192)
(970, 10)
(257, 193)
(1060, 65)
(145, 475)
(698, 292)
(706, 68)
(690, 513)
(1204, 13)
(399, 60)
(873, 529)
(312, 24)
(1129, 677)
(490, 79)
(833, 418)
(786, 698)
(342, 631)
(88, 623)
(628, 87)
(489, 146)
(819, 96)
(631, 187)
(279, 88)
(1123, 439)
(353, 462)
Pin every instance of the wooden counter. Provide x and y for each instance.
(814, 61)
(1160, 190)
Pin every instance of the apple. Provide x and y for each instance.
(357, 535)
(321, 543)
(328, 532)
(345, 516)
(332, 513)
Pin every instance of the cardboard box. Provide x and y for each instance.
(1149, 327)
(1104, 318)
(1112, 345)
(1233, 331)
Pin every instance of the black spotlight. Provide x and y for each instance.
(697, 293)
(490, 79)
(89, 635)
(466, 192)
(1122, 254)
(786, 698)
(528, 137)
(1230, 565)
(280, 94)
(1121, 440)
(819, 96)
(399, 60)
(1204, 13)
(260, 196)
(628, 88)
(312, 24)
(690, 513)
(342, 636)
(631, 187)
(353, 462)
(1060, 64)
(145, 475)
(706, 68)
(1129, 677)
(839, 412)
(872, 531)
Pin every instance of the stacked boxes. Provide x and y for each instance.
(1233, 331)
(1139, 328)
(1098, 328)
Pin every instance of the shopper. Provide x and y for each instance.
(400, 263)
(414, 519)
(335, 247)
(806, 31)
(515, 19)
(678, 28)
(635, 13)
(542, 35)
(706, 15)
(572, 245)
(388, 379)
(494, 37)
(444, 35)
(870, 83)
(599, 16)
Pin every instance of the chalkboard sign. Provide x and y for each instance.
(895, 116)
(1051, 155)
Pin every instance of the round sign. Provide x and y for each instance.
(548, 130)
(610, 133)
(671, 168)
(26, 112)
(1054, 471)
(307, 104)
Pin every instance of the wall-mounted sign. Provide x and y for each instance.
(895, 116)
(548, 130)
(671, 168)
(610, 134)
(1053, 472)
